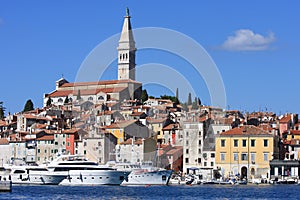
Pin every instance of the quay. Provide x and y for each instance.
(5, 186)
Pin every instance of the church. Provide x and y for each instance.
(98, 92)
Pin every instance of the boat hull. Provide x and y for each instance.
(161, 177)
(36, 179)
(94, 177)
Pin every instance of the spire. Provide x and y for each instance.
(126, 51)
(126, 39)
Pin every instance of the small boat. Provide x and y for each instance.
(80, 171)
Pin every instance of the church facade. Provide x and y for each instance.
(124, 88)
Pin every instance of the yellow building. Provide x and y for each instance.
(245, 150)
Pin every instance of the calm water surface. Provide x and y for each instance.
(155, 192)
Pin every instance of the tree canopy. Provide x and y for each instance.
(28, 106)
(144, 96)
(2, 109)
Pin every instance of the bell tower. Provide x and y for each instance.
(126, 51)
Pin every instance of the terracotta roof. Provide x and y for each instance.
(3, 123)
(245, 130)
(70, 131)
(4, 141)
(64, 93)
(46, 137)
(175, 150)
(137, 114)
(171, 126)
(154, 120)
(285, 119)
(120, 124)
(129, 141)
(98, 83)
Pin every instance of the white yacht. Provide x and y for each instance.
(31, 175)
(80, 171)
(143, 174)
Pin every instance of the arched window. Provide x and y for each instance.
(90, 98)
(100, 98)
(60, 100)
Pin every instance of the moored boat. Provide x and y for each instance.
(80, 171)
(143, 174)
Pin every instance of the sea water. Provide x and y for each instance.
(155, 192)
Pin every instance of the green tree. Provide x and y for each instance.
(66, 100)
(185, 107)
(195, 104)
(49, 102)
(144, 96)
(28, 106)
(199, 102)
(78, 95)
(2, 109)
(189, 99)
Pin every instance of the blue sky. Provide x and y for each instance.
(255, 45)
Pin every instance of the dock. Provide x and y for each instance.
(5, 186)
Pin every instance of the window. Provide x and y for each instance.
(186, 160)
(266, 157)
(252, 143)
(39, 151)
(187, 134)
(199, 160)
(222, 143)
(90, 98)
(205, 164)
(244, 143)
(235, 156)
(244, 156)
(199, 133)
(68, 144)
(199, 142)
(265, 143)
(222, 156)
(212, 155)
(253, 158)
(187, 142)
(60, 100)
(235, 143)
(199, 151)
(187, 151)
(211, 164)
(84, 152)
(100, 98)
(45, 150)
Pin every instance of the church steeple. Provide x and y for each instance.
(126, 51)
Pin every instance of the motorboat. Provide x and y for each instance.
(31, 175)
(142, 173)
(80, 171)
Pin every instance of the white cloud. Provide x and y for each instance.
(247, 40)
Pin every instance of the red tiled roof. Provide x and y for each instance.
(285, 119)
(98, 83)
(120, 124)
(171, 126)
(4, 141)
(64, 93)
(46, 137)
(129, 141)
(153, 120)
(245, 130)
(137, 114)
